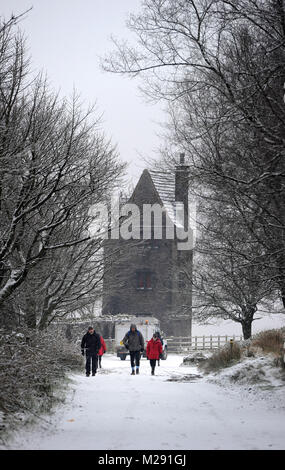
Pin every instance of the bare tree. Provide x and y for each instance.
(230, 279)
(65, 281)
(220, 67)
(55, 164)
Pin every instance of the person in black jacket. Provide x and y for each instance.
(91, 344)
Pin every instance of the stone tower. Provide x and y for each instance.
(153, 276)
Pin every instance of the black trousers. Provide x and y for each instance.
(91, 362)
(135, 358)
(152, 363)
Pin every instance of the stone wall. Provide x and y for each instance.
(74, 330)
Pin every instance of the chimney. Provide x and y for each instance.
(182, 186)
(182, 158)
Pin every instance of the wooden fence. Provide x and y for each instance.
(179, 344)
(184, 344)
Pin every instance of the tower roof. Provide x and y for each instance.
(164, 183)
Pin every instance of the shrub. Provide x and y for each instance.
(33, 365)
(269, 341)
(223, 358)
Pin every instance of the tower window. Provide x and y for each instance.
(181, 280)
(144, 280)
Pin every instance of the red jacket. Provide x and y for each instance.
(153, 349)
(103, 348)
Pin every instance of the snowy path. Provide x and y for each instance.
(115, 410)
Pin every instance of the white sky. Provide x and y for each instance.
(66, 39)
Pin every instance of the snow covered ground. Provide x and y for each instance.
(176, 409)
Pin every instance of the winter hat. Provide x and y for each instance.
(133, 326)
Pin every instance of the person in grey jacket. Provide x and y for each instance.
(134, 342)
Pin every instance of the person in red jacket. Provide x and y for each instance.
(153, 351)
(102, 350)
